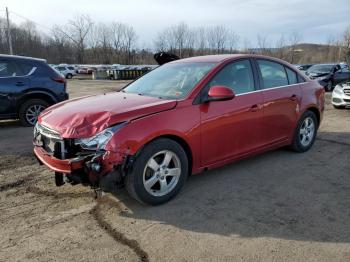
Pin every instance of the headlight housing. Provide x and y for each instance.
(100, 140)
(338, 90)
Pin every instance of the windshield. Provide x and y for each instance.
(170, 81)
(321, 68)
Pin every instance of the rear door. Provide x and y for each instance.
(232, 128)
(281, 95)
(12, 83)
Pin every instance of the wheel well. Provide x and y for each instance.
(41, 96)
(316, 112)
(184, 145)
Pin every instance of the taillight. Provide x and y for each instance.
(59, 79)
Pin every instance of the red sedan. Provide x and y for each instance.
(184, 117)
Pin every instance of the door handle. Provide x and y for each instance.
(19, 84)
(254, 108)
(293, 97)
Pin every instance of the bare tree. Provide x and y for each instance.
(294, 40)
(78, 30)
(346, 44)
(217, 37)
(130, 41)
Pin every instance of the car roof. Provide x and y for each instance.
(224, 57)
(22, 58)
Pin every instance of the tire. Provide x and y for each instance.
(329, 86)
(142, 174)
(69, 76)
(300, 143)
(28, 107)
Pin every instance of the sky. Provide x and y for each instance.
(315, 20)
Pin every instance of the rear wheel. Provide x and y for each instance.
(158, 173)
(69, 76)
(30, 110)
(305, 133)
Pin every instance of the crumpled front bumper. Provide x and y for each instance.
(107, 161)
(66, 166)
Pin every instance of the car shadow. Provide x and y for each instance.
(279, 194)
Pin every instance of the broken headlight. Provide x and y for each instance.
(100, 140)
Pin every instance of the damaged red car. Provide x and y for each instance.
(182, 118)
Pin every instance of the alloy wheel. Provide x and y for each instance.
(33, 112)
(307, 131)
(161, 173)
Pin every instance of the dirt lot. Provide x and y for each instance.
(280, 206)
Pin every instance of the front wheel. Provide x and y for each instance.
(69, 76)
(158, 173)
(305, 133)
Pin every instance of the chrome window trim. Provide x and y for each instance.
(271, 88)
(30, 73)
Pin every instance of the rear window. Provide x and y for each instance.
(24, 67)
(292, 76)
(44, 70)
(273, 74)
(70, 67)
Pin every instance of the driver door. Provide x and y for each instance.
(232, 128)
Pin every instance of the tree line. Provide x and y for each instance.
(84, 41)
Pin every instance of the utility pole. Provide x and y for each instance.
(9, 32)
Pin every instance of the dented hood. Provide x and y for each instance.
(84, 117)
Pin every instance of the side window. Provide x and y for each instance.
(292, 76)
(24, 68)
(273, 74)
(238, 76)
(7, 69)
(300, 79)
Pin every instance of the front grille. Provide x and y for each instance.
(50, 140)
(347, 91)
(347, 100)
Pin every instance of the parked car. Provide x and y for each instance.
(304, 67)
(67, 71)
(27, 87)
(341, 95)
(181, 118)
(85, 70)
(328, 74)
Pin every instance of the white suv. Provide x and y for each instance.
(341, 95)
(67, 71)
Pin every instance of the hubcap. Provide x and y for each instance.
(162, 173)
(306, 132)
(33, 112)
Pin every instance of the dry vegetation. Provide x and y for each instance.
(82, 40)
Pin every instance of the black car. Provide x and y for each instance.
(27, 87)
(329, 75)
(304, 67)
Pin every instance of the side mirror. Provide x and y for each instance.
(220, 93)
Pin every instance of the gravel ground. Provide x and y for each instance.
(280, 206)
